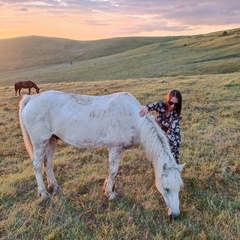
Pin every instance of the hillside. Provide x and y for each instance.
(46, 60)
(36, 51)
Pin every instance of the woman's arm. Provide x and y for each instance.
(157, 106)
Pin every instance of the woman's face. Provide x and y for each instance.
(172, 103)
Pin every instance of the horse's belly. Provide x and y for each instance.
(96, 133)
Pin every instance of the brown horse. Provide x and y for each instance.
(27, 84)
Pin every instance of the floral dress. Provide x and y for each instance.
(170, 125)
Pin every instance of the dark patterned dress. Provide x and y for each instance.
(170, 125)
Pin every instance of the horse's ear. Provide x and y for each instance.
(180, 167)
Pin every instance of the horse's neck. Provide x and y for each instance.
(158, 167)
(35, 86)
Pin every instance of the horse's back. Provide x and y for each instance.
(112, 103)
(83, 120)
(118, 105)
(25, 84)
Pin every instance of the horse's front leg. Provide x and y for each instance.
(114, 160)
(29, 91)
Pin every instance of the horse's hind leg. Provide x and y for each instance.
(38, 158)
(52, 182)
(114, 160)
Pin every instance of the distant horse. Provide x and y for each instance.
(27, 84)
(112, 121)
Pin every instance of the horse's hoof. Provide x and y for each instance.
(112, 196)
(54, 189)
(44, 195)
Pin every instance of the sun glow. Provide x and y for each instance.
(89, 20)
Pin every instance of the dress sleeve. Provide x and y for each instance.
(174, 137)
(157, 106)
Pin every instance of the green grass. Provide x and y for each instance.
(51, 60)
(32, 51)
(210, 200)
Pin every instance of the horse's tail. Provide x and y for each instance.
(154, 140)
(26, 138)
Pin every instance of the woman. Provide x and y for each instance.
(169, 118)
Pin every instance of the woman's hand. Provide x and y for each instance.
(144, 111)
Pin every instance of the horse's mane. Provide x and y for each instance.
(154, 141)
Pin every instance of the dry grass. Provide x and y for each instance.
(210, 204)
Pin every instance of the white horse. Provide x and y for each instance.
(112, 121)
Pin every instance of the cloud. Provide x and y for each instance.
(187, 11)
(22, 9)
(135, 16)
(205, 12)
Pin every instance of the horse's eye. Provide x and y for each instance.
(167, 190)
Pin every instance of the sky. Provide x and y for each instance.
(100, 19)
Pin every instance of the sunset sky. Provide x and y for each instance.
(98, 19)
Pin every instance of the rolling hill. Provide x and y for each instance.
(44, 59)
(35, 51)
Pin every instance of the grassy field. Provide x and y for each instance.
(210, 200)
(50, 60)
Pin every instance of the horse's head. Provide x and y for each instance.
(37, 90)
(169, 183)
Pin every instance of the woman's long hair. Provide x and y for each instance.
(176, 94)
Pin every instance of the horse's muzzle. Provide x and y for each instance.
(173, 215)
